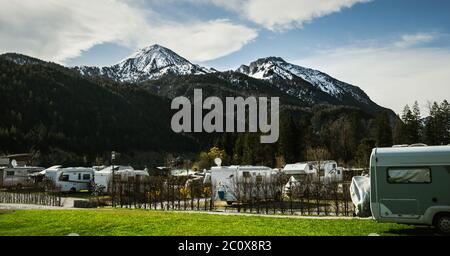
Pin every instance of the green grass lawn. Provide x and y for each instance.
(109, 222)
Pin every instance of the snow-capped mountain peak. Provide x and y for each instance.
(153, 58)
(149, 63)
(154, 62)
(273, 68)
(266, 68)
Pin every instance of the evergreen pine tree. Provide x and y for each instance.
(383, 131)
(362, 156)
(288, 139)
(432, 125)
(412, 124)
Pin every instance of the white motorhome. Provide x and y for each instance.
(72, 179)
(15, 171)
(411, 185)
(17, 177)
(225, 178)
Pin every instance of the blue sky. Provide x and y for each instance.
(378, 20)
(398, 51)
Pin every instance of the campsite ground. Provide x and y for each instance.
(123, 222)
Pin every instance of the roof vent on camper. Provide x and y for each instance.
(418, 145)
(401, 146)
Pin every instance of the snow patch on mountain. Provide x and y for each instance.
(273, 68)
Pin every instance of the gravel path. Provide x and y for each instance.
(67, 205)
(29, 207)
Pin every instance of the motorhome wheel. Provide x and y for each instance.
(73, 190)
(443, 223)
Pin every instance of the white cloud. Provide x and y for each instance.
(285, 14)
(415, 39)
(58, 30)
(392, 75)
(203, 41)
(62, 29)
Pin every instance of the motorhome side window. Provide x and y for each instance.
(86, 176)
(246, 175)
(64, 177)
(409, 175)
(10, 173)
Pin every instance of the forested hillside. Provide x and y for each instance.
(67, 118)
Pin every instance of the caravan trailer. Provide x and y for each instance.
(329, 171)
(301, 171)
(411, 185)
(103, 178)
(223, 179)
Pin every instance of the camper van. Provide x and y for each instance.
(411, 185)
(224, 179)
(74, 179)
